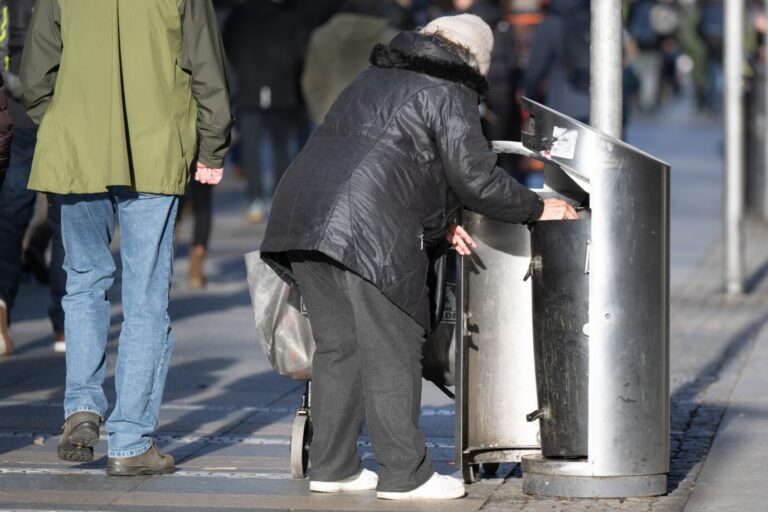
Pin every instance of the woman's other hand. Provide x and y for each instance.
(460, 240)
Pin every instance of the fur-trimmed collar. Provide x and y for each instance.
(386, 56)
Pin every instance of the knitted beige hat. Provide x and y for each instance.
(466, 30)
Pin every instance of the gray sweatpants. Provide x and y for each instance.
(367, 366)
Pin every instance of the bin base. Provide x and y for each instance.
(572, 479)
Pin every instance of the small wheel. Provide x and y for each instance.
(471, 473)
(301, 436)
(490, 468)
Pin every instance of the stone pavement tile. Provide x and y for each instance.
(265, 424)
(222, 451)
(438, 423)
(246, 463)
(733, 476)
(30, 418)
(35, 449)
(271, 485)
(52, 490)
(200, 421)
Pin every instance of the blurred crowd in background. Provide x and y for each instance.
(290, 58)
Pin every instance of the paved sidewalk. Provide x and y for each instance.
(227, 416)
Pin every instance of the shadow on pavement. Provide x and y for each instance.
(689, 445)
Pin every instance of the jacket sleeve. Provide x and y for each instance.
(41, 58)
(6, 124)
(470, 164)
(202, 57)
(4, 34)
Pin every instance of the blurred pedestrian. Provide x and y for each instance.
(198, 199)
(558, 70)
(338, 51)
(121, 91)
(501, 113)
(6, 134)
(649, 62)
(379, 184)
(265, 41)
(17, 202)
(712, 30)
(693, 46)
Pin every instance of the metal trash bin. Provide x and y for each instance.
(495, 382)
(622, 378)
(628, 315)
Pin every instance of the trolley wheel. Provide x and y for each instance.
(490, 468)
(471, 473)
(301, 436)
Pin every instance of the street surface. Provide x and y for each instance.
(227, 416)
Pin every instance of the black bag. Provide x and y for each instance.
(439, 349)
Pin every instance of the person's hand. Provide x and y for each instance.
(460, 240)
(557, 209)
(208, 176)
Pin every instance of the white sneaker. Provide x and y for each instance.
(6, 344)
(364, 481)
(59, 344)
(438, 487)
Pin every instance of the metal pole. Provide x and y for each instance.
(606, 67)
(764, 127)
(734, 146)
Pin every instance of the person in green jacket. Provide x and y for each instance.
(128, 94)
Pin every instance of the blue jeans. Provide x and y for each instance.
(147, 224)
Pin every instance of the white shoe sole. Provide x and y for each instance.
(60, 347)
(438, 487)
(368, 483)
(408, 496)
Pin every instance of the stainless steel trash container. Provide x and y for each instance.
(495, 382)
(628, 316)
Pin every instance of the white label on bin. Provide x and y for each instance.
(564, 145)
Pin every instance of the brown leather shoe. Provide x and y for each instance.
(196, 276)
(80, 435)
(151, 462)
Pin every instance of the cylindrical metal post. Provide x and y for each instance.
(764, 126)
(606, 67)
(734, 146)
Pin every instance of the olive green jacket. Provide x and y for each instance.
(122, 91)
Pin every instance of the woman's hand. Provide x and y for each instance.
(208, 176)
(460, 240)
(557, 209)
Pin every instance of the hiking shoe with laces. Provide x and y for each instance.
(80, 435)
(151, 462)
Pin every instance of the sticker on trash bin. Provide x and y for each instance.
(565, 143)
